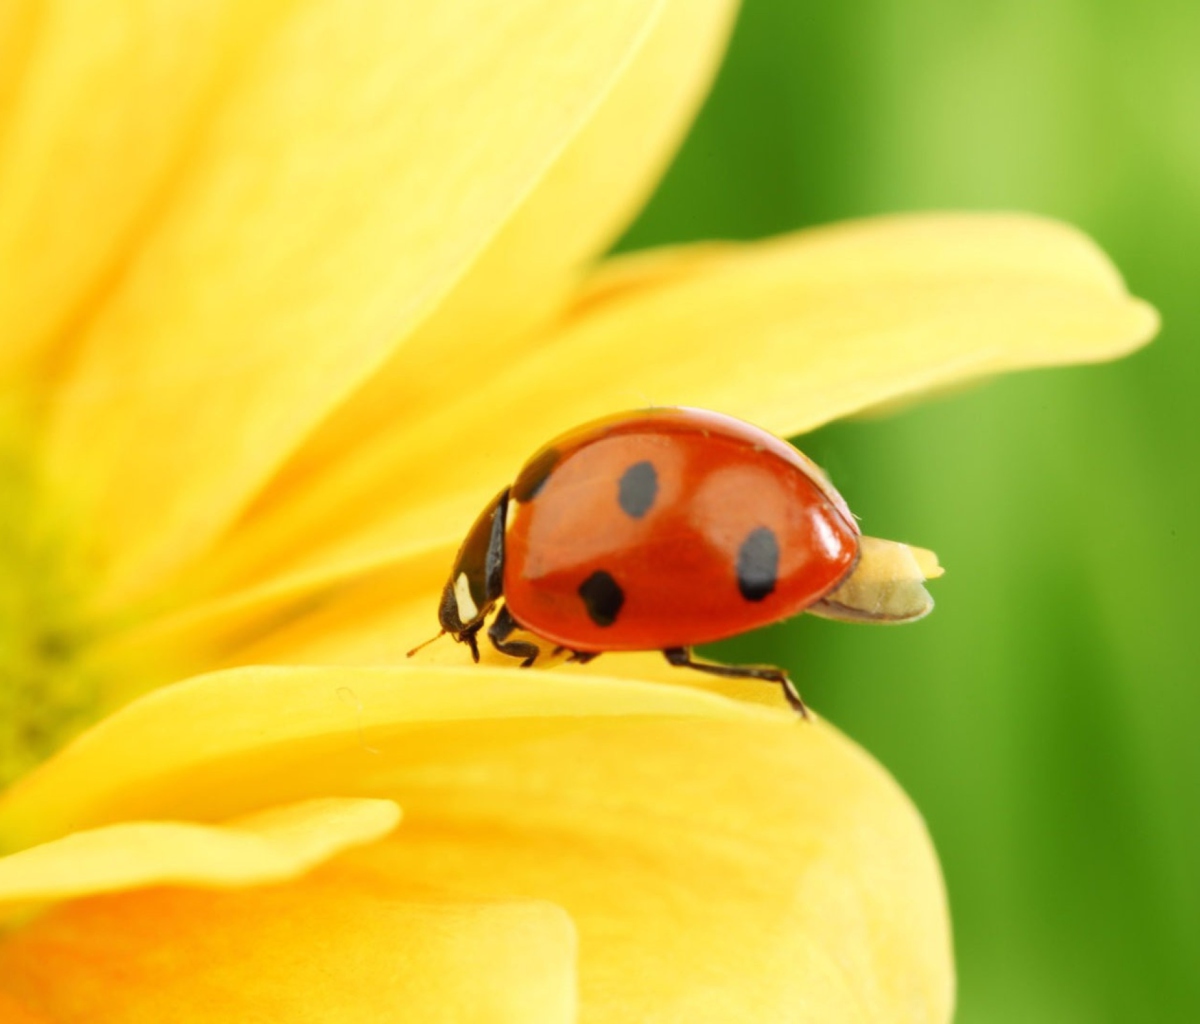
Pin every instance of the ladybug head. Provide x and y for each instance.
(477, 577)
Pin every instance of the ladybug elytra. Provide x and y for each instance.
(665, 528)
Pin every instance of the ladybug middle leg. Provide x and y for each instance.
(502, 627)
(682, 656)
(575, 657)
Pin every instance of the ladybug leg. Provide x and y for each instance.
(467, 636)
(574, 657)
(682, 656)
(501, 629)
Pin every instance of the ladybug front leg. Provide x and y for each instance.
(682, 656)
(502, 627)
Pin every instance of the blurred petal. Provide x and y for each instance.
(260, 723)
(787, 334)
(351, 169)
(302, 953)
(13, 1011)
(267, 846)
(527, 273)
(98, 103)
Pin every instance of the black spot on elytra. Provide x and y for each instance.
(638, 489)
(758, 564)
(534, 474)
(602, 598)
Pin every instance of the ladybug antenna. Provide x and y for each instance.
(441, 633)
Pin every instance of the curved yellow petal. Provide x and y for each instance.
(528, 271)
(754, 870)
(178, 751)
(98, 103)
(351, 169)
(303, 953)
(720, 862)
(372, 620)
(787, 334)
(795, 332)
(865, 313)
(267, 846)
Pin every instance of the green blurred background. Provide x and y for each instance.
(1045, 718)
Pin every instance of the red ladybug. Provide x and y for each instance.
(658, 530)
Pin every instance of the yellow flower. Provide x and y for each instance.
(290, 289)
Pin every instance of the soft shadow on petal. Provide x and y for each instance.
(267, 846)
(353, 167)
(304, 953)
(374, 619)
(232, 742)
(787, 334)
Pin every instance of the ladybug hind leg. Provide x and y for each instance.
(502, 627)
(682, 657)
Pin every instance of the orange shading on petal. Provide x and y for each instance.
(301, 953)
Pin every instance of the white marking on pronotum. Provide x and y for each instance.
(462, 597)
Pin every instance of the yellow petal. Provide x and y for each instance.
(267, 846)
(595, 184)
(718, 871)
(374, 620)
(594, 187)
(178, 751)
(787, 334)
(797, 331)
(97, 105)
(346, 176)
(721, 862)
(301, 953)
(13, 1011)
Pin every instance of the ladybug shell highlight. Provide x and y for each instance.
(666, 528)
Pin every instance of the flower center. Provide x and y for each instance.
(45, 695)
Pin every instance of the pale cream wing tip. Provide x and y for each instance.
(887, 585)
(927, 561)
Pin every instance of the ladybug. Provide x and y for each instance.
(661, 529)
